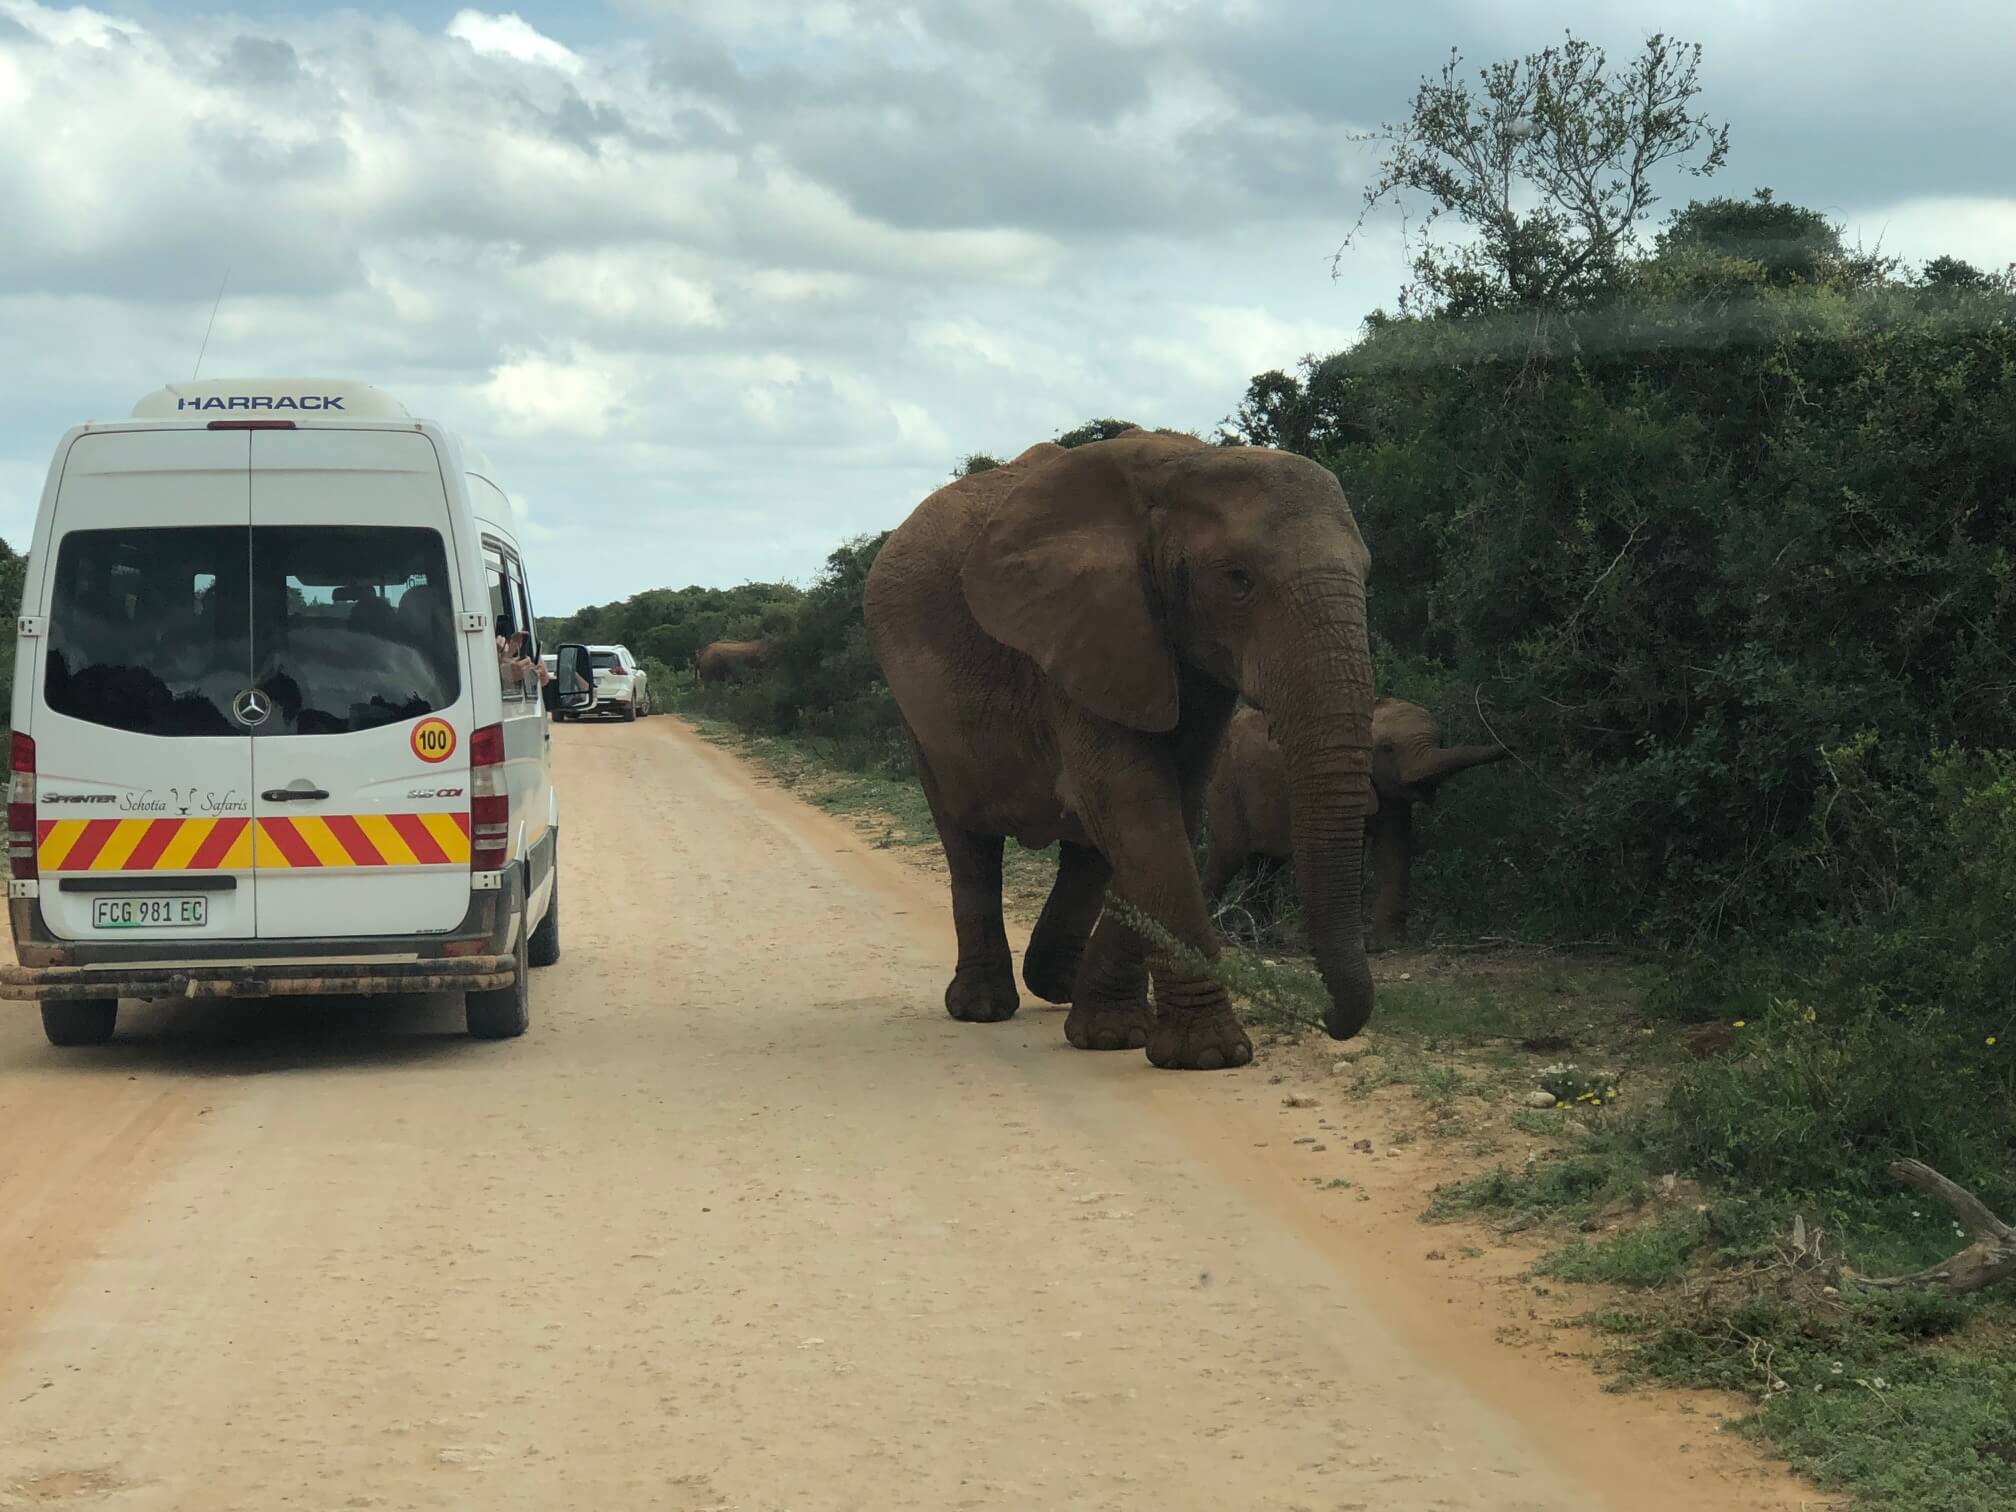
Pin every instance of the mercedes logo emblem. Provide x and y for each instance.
(251, 707)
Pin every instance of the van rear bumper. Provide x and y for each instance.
(475, 957)
(483, 973)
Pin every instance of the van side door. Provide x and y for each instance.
(528, 733)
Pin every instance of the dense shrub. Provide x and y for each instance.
(1673, 549)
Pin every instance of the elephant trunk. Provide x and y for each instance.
(1444, 762)
(1320, 714)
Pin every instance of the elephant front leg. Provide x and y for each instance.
(982, 990)
(1155, 875)
(1057, 946)
(1109, 1002)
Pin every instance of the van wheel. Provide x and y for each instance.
(80, 1021)
(506, 1012)
(545, 947)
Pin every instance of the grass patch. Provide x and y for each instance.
(1606, 1178)
(1656, 1255)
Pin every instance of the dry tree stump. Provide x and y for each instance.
(1989, 1259)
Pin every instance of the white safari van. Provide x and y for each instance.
(278, 723)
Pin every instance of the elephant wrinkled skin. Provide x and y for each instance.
(719, 660)
(1066, 637)
(1246, 807)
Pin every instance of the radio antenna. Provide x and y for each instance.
(208, 328)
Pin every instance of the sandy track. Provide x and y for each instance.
(745, 1222)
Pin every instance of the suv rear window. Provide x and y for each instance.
(605, 661)
(156, 631)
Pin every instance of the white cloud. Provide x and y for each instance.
(536, 396)
(510, 36)
(1979, 230)
(741, 284)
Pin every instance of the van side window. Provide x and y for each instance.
(522, 602)
(509, 622)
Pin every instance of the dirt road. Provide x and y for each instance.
(744, 1222)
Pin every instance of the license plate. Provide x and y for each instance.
(150, 913)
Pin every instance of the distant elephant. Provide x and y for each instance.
(1066, 637)
(719, 660)
(1246, 806)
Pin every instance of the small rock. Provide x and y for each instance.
(1541, 1099)
(1298, 1100)
(1276, 1079)
(1406, 976)
(1350, 1055)
(1315, 1147)
(1363, 1147)
(1436, 1255)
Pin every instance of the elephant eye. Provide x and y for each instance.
(1238, 578)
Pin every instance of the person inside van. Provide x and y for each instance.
(519, 670)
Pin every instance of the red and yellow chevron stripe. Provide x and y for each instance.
(334, 840)
(362, 840)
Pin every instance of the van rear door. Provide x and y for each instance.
(144, 769)
(360, 774)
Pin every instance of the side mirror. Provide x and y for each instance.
(572, 690)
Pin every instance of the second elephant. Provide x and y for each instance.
(719, 660)
(1246, 805)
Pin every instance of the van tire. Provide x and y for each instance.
(80, 1021)
(545, 947)
(506, 1012)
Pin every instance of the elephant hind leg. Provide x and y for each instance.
(982, 989)
(1057, 945)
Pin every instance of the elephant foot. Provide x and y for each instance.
(982, 997)
(1109, 1026)
(1051, 975)
(1210, 1041)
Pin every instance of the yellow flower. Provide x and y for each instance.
(1991, 1039)
(1739, 1023)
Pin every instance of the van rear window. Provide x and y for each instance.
(150, 630)
(158, 630)
(363, 634)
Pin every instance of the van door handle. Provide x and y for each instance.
(289, 795)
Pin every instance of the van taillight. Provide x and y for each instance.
(251, 425)
(489, 801)
(21, 808)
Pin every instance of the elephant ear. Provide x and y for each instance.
(1058, 572)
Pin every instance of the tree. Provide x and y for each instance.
(1791, 243)
(975, 462)
(1553, 130)
(1096, 430)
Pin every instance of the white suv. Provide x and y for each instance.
(620, 686)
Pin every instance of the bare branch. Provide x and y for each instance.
(1991, 1258)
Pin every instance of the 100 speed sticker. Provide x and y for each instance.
(433, 741)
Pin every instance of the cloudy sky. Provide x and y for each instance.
(719, 283)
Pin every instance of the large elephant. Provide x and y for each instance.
(1066, 637)
(1246, 806)
(720, 660)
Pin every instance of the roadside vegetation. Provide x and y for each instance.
(1711, 520)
